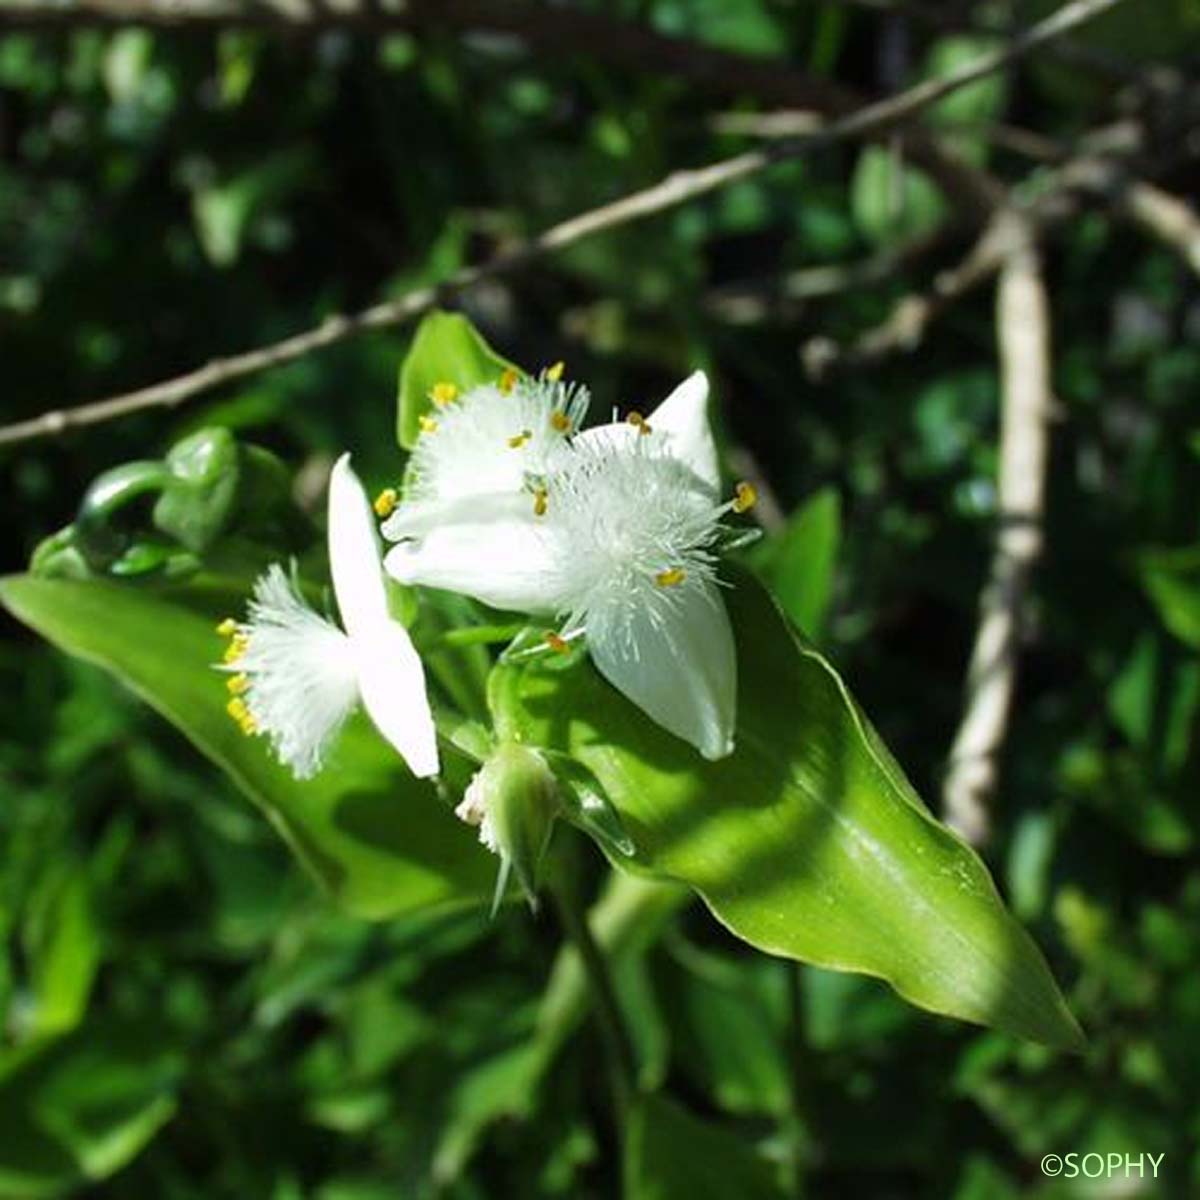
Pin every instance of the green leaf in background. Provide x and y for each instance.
(446, 349)
(800, 561)
(808, 842)
(379, 840)
(672, 1155)
(892, 200)
(62, 943)
(80, 1107)
(1172, 581)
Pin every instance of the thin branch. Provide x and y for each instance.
(676, 189)
(1023, 336)
(1055, 196)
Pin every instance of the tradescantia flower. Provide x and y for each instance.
(617, 536)
(295, 676)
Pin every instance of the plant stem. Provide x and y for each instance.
(477, 635)
(574, 923)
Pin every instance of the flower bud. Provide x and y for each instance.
(514, 799)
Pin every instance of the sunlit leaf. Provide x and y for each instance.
(808, 841)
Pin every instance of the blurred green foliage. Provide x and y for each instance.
(186, 1017)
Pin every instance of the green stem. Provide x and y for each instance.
(604, 997)
(485, 635)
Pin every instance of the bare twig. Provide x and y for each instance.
(1167, 217)
(1023, 335)
(904, 328)
(676, 189)
(1101, 168)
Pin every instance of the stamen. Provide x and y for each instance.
(518, 440)
(238, 685)
(639, 422)
(508, 379)
(236, 648)
(745, 497)
(249, 726)
(672, 577)
(237, 709)
(227, 627)
(555, 372)
(560, 421)
(428, 424)
(541, 501)
(557, 643)
(385, 503)
(443, 393)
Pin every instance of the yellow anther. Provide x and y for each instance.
(428, 424)
(560, 421)
(238, 684)
(555, 372)
(745, 497)
(443, 393)
(541, 502)
(227, 627)
(639, 422)
(558, 644)
(385, 503)
(672, 577)
(237, 709)
(519, 439)
(236, 647)
(508, 379)
(249, 726)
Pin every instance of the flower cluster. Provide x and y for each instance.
(610, 535)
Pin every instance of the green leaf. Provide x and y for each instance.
(800, 561)
(80, 1107)
(379, 840)
(672, 1155)
(63, 945)
(891, 200)
(808, 841)
(1172, 580)
(447, 348)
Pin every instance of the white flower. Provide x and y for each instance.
(296, 676)
(493, 439)
(619, 538)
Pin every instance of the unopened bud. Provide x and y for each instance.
(514, 799)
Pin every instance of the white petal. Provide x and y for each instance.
(301, 674)
(358, 582)
(506, 563)
(679, 428)
(391, 682)
(416, 517)
(683, 417)
(673, 656)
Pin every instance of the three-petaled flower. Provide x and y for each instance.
(614, 532)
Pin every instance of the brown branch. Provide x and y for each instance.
(1023, 336)
(1101, 168)
(676, 189)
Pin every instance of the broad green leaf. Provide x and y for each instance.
(80, 1107)
(379, 840)
(672, 1155)
(800, 561)
(447, 348)
(808, 841)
